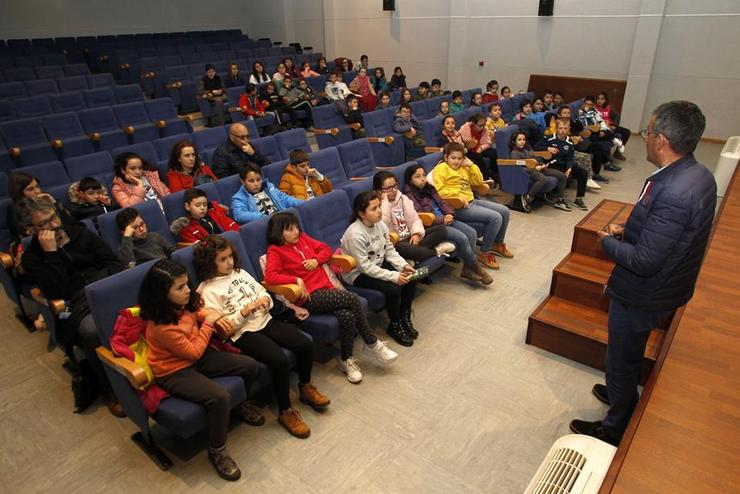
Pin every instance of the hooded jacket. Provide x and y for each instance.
(80, 210)
(399, 212)
(190, 230)
(127, 195)
(427, 200)
(244, 207)
(294, 184)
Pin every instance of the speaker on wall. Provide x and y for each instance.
(389, 4)
(546, 7)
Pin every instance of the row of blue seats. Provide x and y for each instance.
(43, 72)
(24, 61)
(55, 84)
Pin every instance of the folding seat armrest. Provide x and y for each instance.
(395, 238)
(57, 143)
(160, 124)
(383, 140)
(594, 128)
(15, 152)
(124, 66)
(132, 371)
(129, 129)
(345, 262)
(6, 260)
(189, 118)
(384, 168)
(57, 306)
(290, 292)
(427, 219)
(103, 58)
(94, 136)
(454, 202)
(432, 149)
(585, 134)
(483, 189)
(575, 139)
(357, 179)
(543, 154)
(180, 245)
(530, 163)
(356, 125)
(236, 109)
(333, 131)
(174, 85)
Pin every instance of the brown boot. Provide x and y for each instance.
(468, 272)
(311, 396)
(485, 278)
(291, 419)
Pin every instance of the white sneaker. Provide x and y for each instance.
(618, 142)
(380, 352)
(444, 248)
(351, 369)
(591, 184)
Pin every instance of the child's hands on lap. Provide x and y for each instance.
(310, 264)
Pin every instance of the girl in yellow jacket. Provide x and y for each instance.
(454, 178)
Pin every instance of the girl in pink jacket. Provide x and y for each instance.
(135, 182)
(479, 141)
(399, 216)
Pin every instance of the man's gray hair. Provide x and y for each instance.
(28, 206)
(682, 123)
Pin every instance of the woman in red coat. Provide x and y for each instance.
(186, 168)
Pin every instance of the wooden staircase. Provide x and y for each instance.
(572, 320)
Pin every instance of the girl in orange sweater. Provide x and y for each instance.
(178, 334)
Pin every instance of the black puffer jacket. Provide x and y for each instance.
(664, 239)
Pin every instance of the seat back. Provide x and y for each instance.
(76, 69)
(326, 217)
(98, 119)
(144, 149)
(161, 109)
(429, 161)
(274, 171)
(20, 74)
(34, 106)
(432, 129)
(164, 145)
(72, 83)
(150, 212)
(49, 71)
(19, 133)
(357, 158)
(96, 165)
(227, 187)
(185, 257)
(419, 109)
(98, 97)
(41, 86)
(503, 137)
(290, 140)
(267, 146)
(49, 174)
(7, 112)
(101, 80)
(62, 125)
(209, 138)
(12, 90)
(128, 93)
(67, 102)
(131, 114)
(329, 163)
(254, 238)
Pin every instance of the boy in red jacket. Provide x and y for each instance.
(201, 220)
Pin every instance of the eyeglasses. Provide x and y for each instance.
(388, 189)
(44, 225)
(644, 133)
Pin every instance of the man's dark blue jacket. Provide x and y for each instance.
(664, 239)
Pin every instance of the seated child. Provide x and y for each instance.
(257, 198)
(307, 71)
(406, 96)
(353, 116)
(307, 93)
(491, 95)
(186, 169)
(295, 258)
(563, 150)
(422, 92)
(444, 108)
(137, 244)
(88, 199)
(525, 110)
(519, 149)
(547, 100)
(457, 104)
(300, 180)
(248, 325)
(136, 181)
(384, 101)
(415, 242)
(557, 100)
(494, 121)
(479, 142)
(178, 335)
(398, 80)
(379, 266)
(251, 105)
(589, 116)
(427, 200)
(454, 178)
(406, 124)
(203, 219)
(436, 89)
(505, 92)
(337, 92)
(296, 100)
(363, 88)
(609, 117)
(272, 101)
(449, 133)
(476, 99)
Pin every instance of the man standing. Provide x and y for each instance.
(231, 156)
(658, 253)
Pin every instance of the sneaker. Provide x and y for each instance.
(444, 249)
(488, 259)
(310, 395)
(599, 178)
(561, 204)
(224, 464)
(250, 413)
(580, 204)
(292, 421)
(591, 184)
(601, 394)
(397, 331)
(381, 353)
(501, 250)
(524, 201)
(593, 429)
(351, 370)
(612, 167)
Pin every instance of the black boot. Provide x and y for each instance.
(408, 325)
(398, 333)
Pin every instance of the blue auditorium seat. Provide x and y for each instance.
(67, 135)
(96, 165)
(162, 112)
(134, 118)
(67, 102)
(27, 142)
(72, 83)
(95, 98)
(102, 122)
(35, 106)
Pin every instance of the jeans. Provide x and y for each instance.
(494, 216)
(464, 237)
(629, 329)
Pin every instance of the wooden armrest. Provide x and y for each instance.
(543, 154)
(103, 58)
(394, 237)
(594, 128)
(57, 143)
(132, 371)
(483, 189)
(530, 163)
(174, 85)
(357, 179)
(180, 245)
(345, 262)
(189, 118)
(6, 260)
(427, 219)
(56, 305)
(575, 139)
(160, 124)
(124, 66)
(94, 136)
(333, 131)
(383, 140)
(384, 168)
(432, 149)
(129, 129)
(290, 292)
(236, 109)
(455, 202)
(355, 126)
(147, 75)
(585, 134)
(15, 152)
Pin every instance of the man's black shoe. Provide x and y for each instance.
(599, 391)
(593, 429)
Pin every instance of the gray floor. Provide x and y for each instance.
(469, 408)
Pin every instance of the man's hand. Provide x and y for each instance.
(614, 229)
(247, 148)
(48, 240)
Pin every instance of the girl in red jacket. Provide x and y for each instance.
(186, 168)
(295, 258)
(183, 362)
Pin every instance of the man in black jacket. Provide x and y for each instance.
(658, 253)
(61, 260)
(231, 156)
